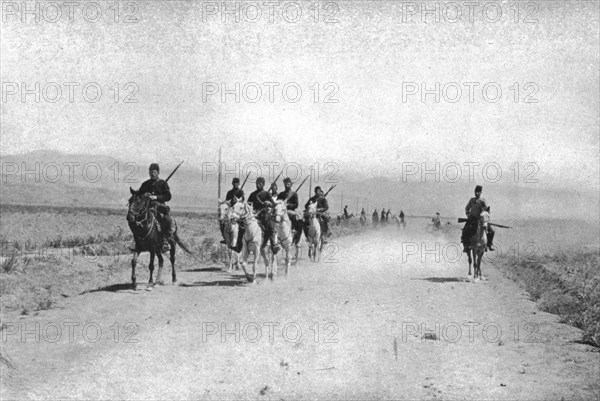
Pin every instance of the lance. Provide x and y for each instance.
(463, 220)
(297, 189)
(173, 172)
(244, 183)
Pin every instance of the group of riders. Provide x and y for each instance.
(158, 191)
(262, 203)
(386, 217)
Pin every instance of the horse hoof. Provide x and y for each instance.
(149, 288)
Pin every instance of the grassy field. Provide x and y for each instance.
(48, 253)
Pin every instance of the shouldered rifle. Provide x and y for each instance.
(329, 190)
(463, 220)
(276, 178)
(297, 189)
(173, 172)
(245, 179)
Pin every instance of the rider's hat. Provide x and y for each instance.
(317, 188)
(235, 181)
(478, 188)
(260, 180)
(154, 166)
(286, 180)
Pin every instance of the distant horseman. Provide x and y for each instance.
(473, 210)
(159, 192)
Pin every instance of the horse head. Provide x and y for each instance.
(224, 210)
(311, 210)
(484, 219)
(242, 210)
(280, 211)
(138, 205)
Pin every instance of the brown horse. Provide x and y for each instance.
(477, 246)
(142, 219)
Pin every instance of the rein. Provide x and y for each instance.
(146, 211)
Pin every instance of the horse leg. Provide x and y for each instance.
(244, 260)
(161, 263)
(151, 267)
(319, 250)
(273, 265)
(287, 258)
(172, 257)
(470, 261)
(256, 254)
(480, 256)
(263, 253)
(133, 264)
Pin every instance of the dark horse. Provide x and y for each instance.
(142, 219)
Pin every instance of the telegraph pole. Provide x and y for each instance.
(219, 185)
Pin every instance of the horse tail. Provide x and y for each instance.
(181, 244)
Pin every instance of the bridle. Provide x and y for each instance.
(146, 210)
(284, 217)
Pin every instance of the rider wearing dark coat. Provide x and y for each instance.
(232, 194)
(292, 205)
(322, 208)
(159, 192)
(235, 192)
(473, 210)
(261, 201)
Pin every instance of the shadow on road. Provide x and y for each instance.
(224, 283)
(444, 279)
(112, 288)
(205, 269)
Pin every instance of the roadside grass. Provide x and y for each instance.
(51, 253)
(566, 283)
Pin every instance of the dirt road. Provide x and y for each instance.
(373, 320)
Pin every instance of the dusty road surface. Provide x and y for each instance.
(371, 321)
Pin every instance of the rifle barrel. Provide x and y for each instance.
(174, 170)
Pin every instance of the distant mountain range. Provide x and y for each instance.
(60, 179)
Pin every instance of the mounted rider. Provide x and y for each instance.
(159, 193)
(437, 222)
(235, 192)
(292, 205)
(273, 190)
(261, 201)
(322, 215)
(473, 210)
(234, 195)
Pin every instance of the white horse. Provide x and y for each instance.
(313, 234)
(284, 232)
(229, 230)
(477, 246)
(252, 239)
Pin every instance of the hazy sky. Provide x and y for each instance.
(366, 61)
